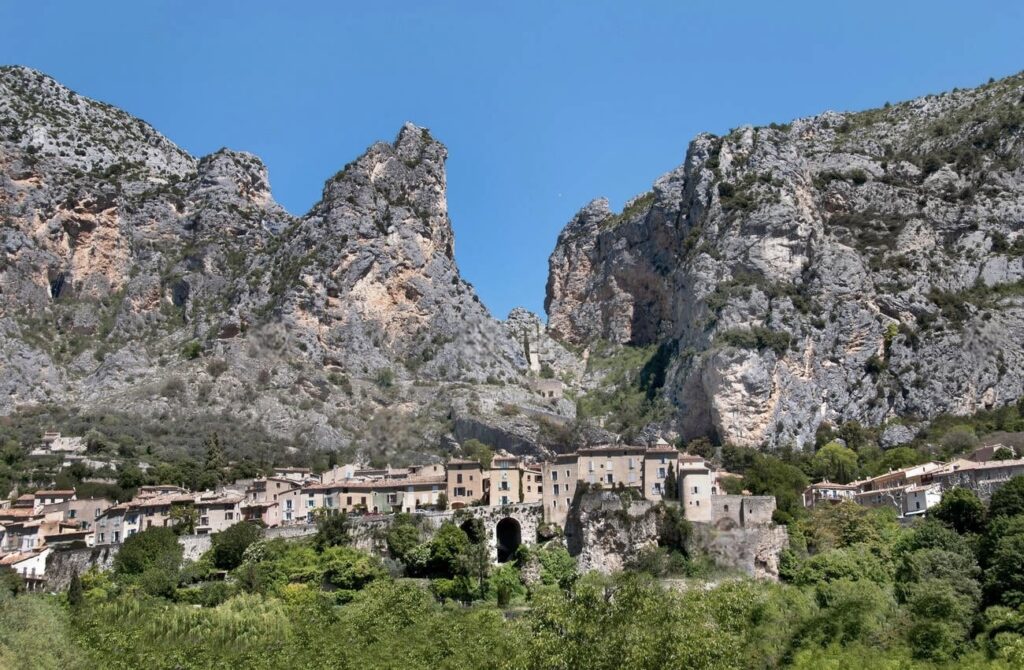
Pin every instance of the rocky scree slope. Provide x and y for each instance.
(848, 266)
(139, 278)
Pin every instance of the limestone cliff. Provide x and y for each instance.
(139, 278)
(861, 266)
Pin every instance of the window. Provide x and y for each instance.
(631, 464)
(204, 521)
(288, 504)
(696, 490)
(555, 489)
(329, 501)
(116, 536)
(229, 516)
(72, 514)
(458, 478)
(309, 504)
(726, 508)
(567, 503)
(460, 491)
(348, 500)
(554, 475)
(661, 473)
(103, 538)
(590, 466)
(608, 478)
(567, 475)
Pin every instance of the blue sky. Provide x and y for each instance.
(543, 105)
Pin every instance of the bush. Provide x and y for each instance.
(1008, 500)
(229, 545)
(960, 439)
(192, 350)
(758, 338)
(331, 529)
(385, 378)
(402, 537)
(961, 510)
(152, 548)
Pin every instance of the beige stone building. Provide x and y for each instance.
(465, 483)
(82, 513)
(533, 483)
(609, 466)
(505, 480)
(559, 487)
(270, 488)
(695, 484)
(218, 512)
(658, 462)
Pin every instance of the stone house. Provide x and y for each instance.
(465, 482)
(827, 492)
(505, 478)
(268, 489)
(31, 565)
(559, 487)
(982, 478)
(83, 513)
(608, 466)
(695, 480)
(54, 497)
(657, 462)
(533, 483)
(218, 512)
(266, 512)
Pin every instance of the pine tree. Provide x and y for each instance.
(75, 594)
(215, 459)
(671, 486)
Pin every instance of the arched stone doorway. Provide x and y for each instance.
(509, 536)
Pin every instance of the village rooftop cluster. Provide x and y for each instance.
(34, 524)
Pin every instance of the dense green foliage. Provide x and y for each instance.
(859, 590)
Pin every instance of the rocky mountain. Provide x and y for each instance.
(848, 266)
(139, 278)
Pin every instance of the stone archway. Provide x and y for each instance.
(508, 535)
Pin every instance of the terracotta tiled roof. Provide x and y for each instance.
(18, 513)
(11, 559)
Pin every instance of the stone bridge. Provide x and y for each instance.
(504, 527)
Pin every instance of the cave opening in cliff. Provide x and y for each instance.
(509, 536)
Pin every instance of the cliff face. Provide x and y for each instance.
(846, 266)
(137, 277)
